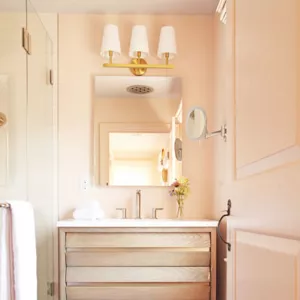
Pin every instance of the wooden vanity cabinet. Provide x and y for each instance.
(137, 263)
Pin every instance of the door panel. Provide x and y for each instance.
(265, 267)
(266, 84)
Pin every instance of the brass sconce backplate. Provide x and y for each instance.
(3, 119)
(164, 175)
(138, 71)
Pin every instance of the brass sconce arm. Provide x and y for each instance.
(138, 66)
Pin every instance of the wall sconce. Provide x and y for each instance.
(139, 48)
(196, 126)
(3, 119)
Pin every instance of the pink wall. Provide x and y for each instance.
(79, 61)
(256, 79)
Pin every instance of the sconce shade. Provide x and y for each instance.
(139, 41)
(167, 42)
(110, 41)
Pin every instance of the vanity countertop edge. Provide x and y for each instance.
(126, 223)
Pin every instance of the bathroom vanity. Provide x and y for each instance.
(130, 259)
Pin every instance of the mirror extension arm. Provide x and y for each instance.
(222, 132)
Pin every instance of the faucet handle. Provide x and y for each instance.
(154, 212)
(124, 212)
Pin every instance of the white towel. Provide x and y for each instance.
(88, 210)
(24, 250)
(6, 256)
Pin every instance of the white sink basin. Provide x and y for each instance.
(137, 223)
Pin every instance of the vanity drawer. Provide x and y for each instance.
(164, 291)
(138, 257)
(137, 274)
(135, 240)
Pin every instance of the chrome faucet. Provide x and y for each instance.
(138, 204)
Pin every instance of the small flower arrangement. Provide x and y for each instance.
(180, 188)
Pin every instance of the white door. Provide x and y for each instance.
(264, 38)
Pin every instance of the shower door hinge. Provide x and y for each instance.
(26, 40)
(50, 290)
(51, 80)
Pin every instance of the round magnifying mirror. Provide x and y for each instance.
(178, 149)
(196, 124)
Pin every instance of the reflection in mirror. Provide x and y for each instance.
(178, 149)
(196, 123)
(138, 158)
(136, 123)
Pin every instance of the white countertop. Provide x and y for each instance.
(137, 223)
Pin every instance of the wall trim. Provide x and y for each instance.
(286, 156)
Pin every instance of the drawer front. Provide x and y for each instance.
(138, 258)
(134, 240)
(137, 274)
(186, 291)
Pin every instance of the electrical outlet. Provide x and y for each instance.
(84, 185)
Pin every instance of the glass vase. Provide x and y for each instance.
(180, 207)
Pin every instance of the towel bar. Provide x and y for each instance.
(4, 205)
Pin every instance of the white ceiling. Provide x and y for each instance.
(137, 145)
(118, 6)
(115, 86)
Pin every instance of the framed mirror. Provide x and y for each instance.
(137, 122)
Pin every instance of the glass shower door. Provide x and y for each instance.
(13, 102)
(26, 126)
(40, 162)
